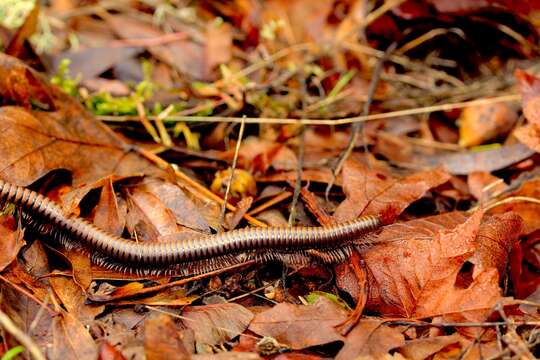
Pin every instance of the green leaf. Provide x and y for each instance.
(11, 353)
(313, 296)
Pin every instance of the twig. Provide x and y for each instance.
(231, 177)
(343, 121)
(147, 125)
(460, 324)
(428, 36)
(164, 135)
(153, 289)
(273, 201)
(149, 42)
(18, 334)
(365, 112)
(507, 200)
(298, 182)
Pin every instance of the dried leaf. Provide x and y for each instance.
(124, 329)
(483, 123)
(373, 193)
(110, 215)
(215, 324)
(420, 349)
(218, 47)
(16, 47)
(81, 266)
(305, 20)
(74, 300)
(24, 311)
(416, 268)
(466, 162)
(483, 185)
(71, 340)
(11, 241)
(301, 326)
(529, 86)
(186, 212)
(108, 352)
(185, 55)
(370, 339)
(20, 85)
(34, 143)
(496, 237)
(162, 339)
(527, 211)
(148, 218)
(91, 62)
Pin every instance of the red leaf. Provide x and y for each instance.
(371, 192)
(418, 267)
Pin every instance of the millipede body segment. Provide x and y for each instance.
(200, 254)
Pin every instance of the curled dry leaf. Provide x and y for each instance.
(483, 123)
(483, 185)
(528, 211)
(148, 218)
(21, 85)
(301, 326)
(70, 200)
(418, 267)
(110, 213)
(173, 197)
(370, 192)
(529, 86)
(496, 237)
(107, 352)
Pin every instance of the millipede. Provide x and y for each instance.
(204, 253)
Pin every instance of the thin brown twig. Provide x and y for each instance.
(153, 289)
(298, 180)
(343, 121)
(231, 177)
(149, 42)
(357, 127)
(274, 200)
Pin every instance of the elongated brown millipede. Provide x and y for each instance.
(293, 245)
